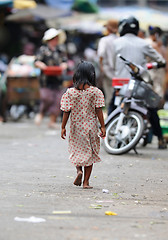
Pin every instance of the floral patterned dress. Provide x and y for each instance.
(84, 143)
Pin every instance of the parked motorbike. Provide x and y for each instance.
(128, 123)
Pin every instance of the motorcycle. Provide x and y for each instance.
(128, 123)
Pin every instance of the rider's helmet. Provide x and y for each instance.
(128, 25)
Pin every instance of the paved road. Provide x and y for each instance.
(36, 180)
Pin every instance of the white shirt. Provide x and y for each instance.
(105, 50)
(134, 49)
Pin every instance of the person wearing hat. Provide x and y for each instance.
(51, 90)
(104, 51)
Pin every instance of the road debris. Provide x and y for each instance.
(110, 213)
(30, 219)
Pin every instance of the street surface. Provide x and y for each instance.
(37, 185)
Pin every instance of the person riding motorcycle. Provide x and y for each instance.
(136, 50)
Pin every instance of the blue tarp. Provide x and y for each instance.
(62, 4)
(6, 3)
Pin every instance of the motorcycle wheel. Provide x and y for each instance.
(127, 137)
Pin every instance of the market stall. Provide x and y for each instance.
(22, 81)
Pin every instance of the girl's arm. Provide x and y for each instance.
(64, 122)
(101, 120)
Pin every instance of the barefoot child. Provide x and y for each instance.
(84, 103)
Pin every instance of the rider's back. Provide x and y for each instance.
(134, 49)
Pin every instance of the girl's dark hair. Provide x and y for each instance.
(84, 74)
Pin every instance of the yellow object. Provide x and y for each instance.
(21, 4)
(110, 213)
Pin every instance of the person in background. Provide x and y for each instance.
(105, 51)
(51, 88)
(3, 87)
(142, 33)
(29, 49)
(158, 75)
(90, 55)
(136, 50)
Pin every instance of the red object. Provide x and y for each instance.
(152, 65)
(119, 81)
(53, 71)
(149, 65)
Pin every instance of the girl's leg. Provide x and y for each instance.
(87, 173)
(79, 169)
(78, 180)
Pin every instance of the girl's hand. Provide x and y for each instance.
(103, 132)
(64, 121)
(63, 133)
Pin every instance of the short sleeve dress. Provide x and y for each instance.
(84, 143)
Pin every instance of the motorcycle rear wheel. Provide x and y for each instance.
(128, 135)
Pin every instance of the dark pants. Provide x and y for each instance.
(112, 107)
(155, 122)
(3, 105)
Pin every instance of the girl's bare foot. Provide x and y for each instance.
(78, 180)
(86, 186)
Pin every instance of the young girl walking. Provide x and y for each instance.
(84, 104)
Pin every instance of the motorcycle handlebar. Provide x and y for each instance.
(155, 65)
(161, 65)
(135, 68)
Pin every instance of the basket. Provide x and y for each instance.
(118, 82)
(144, 92)
(53, 71)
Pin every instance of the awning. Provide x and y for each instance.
(6, 3)
(40, 12)
(146, 16)
(21, 4)
(61, 4)
(18, 4)
(81, 22)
